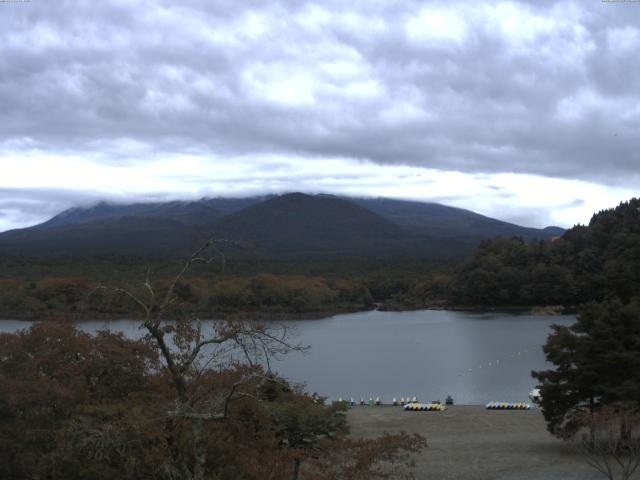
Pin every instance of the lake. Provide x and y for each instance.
(474, 357)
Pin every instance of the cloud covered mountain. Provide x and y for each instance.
(292, 224)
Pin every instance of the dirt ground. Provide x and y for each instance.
(469, 442)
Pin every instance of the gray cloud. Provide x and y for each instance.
(542, 87)
(549, 88)
(578, 202)
(21, 206)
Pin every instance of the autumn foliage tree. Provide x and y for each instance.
(190, 400)
(51, 372)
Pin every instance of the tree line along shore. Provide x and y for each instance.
(588, 263)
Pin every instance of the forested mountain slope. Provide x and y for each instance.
(589, 262)
(273, 226)
(449, 222)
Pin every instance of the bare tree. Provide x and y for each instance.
(610, 442)
(189, 351)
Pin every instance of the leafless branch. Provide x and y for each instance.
(199, 400)
(611, 442)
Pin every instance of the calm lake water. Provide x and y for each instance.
(474, 357)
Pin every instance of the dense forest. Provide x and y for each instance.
(263, 296)
(587, 263)
(590, 262)
(40, 287)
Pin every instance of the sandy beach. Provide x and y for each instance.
(470, 442)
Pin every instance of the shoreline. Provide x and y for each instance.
(270, 316)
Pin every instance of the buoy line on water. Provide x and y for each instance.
(486, 365)
(499, 361)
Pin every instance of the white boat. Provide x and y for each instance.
(535, 396)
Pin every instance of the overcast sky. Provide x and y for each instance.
(526, 111)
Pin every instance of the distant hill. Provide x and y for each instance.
(292, 224)
(442, 221)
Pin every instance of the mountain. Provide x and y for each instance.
(288, 225)
(199, 212)
(442, 221)
(124, 235)
(302, 222)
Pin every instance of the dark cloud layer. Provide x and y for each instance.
(549, 88)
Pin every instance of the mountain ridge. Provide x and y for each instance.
(294, 223)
